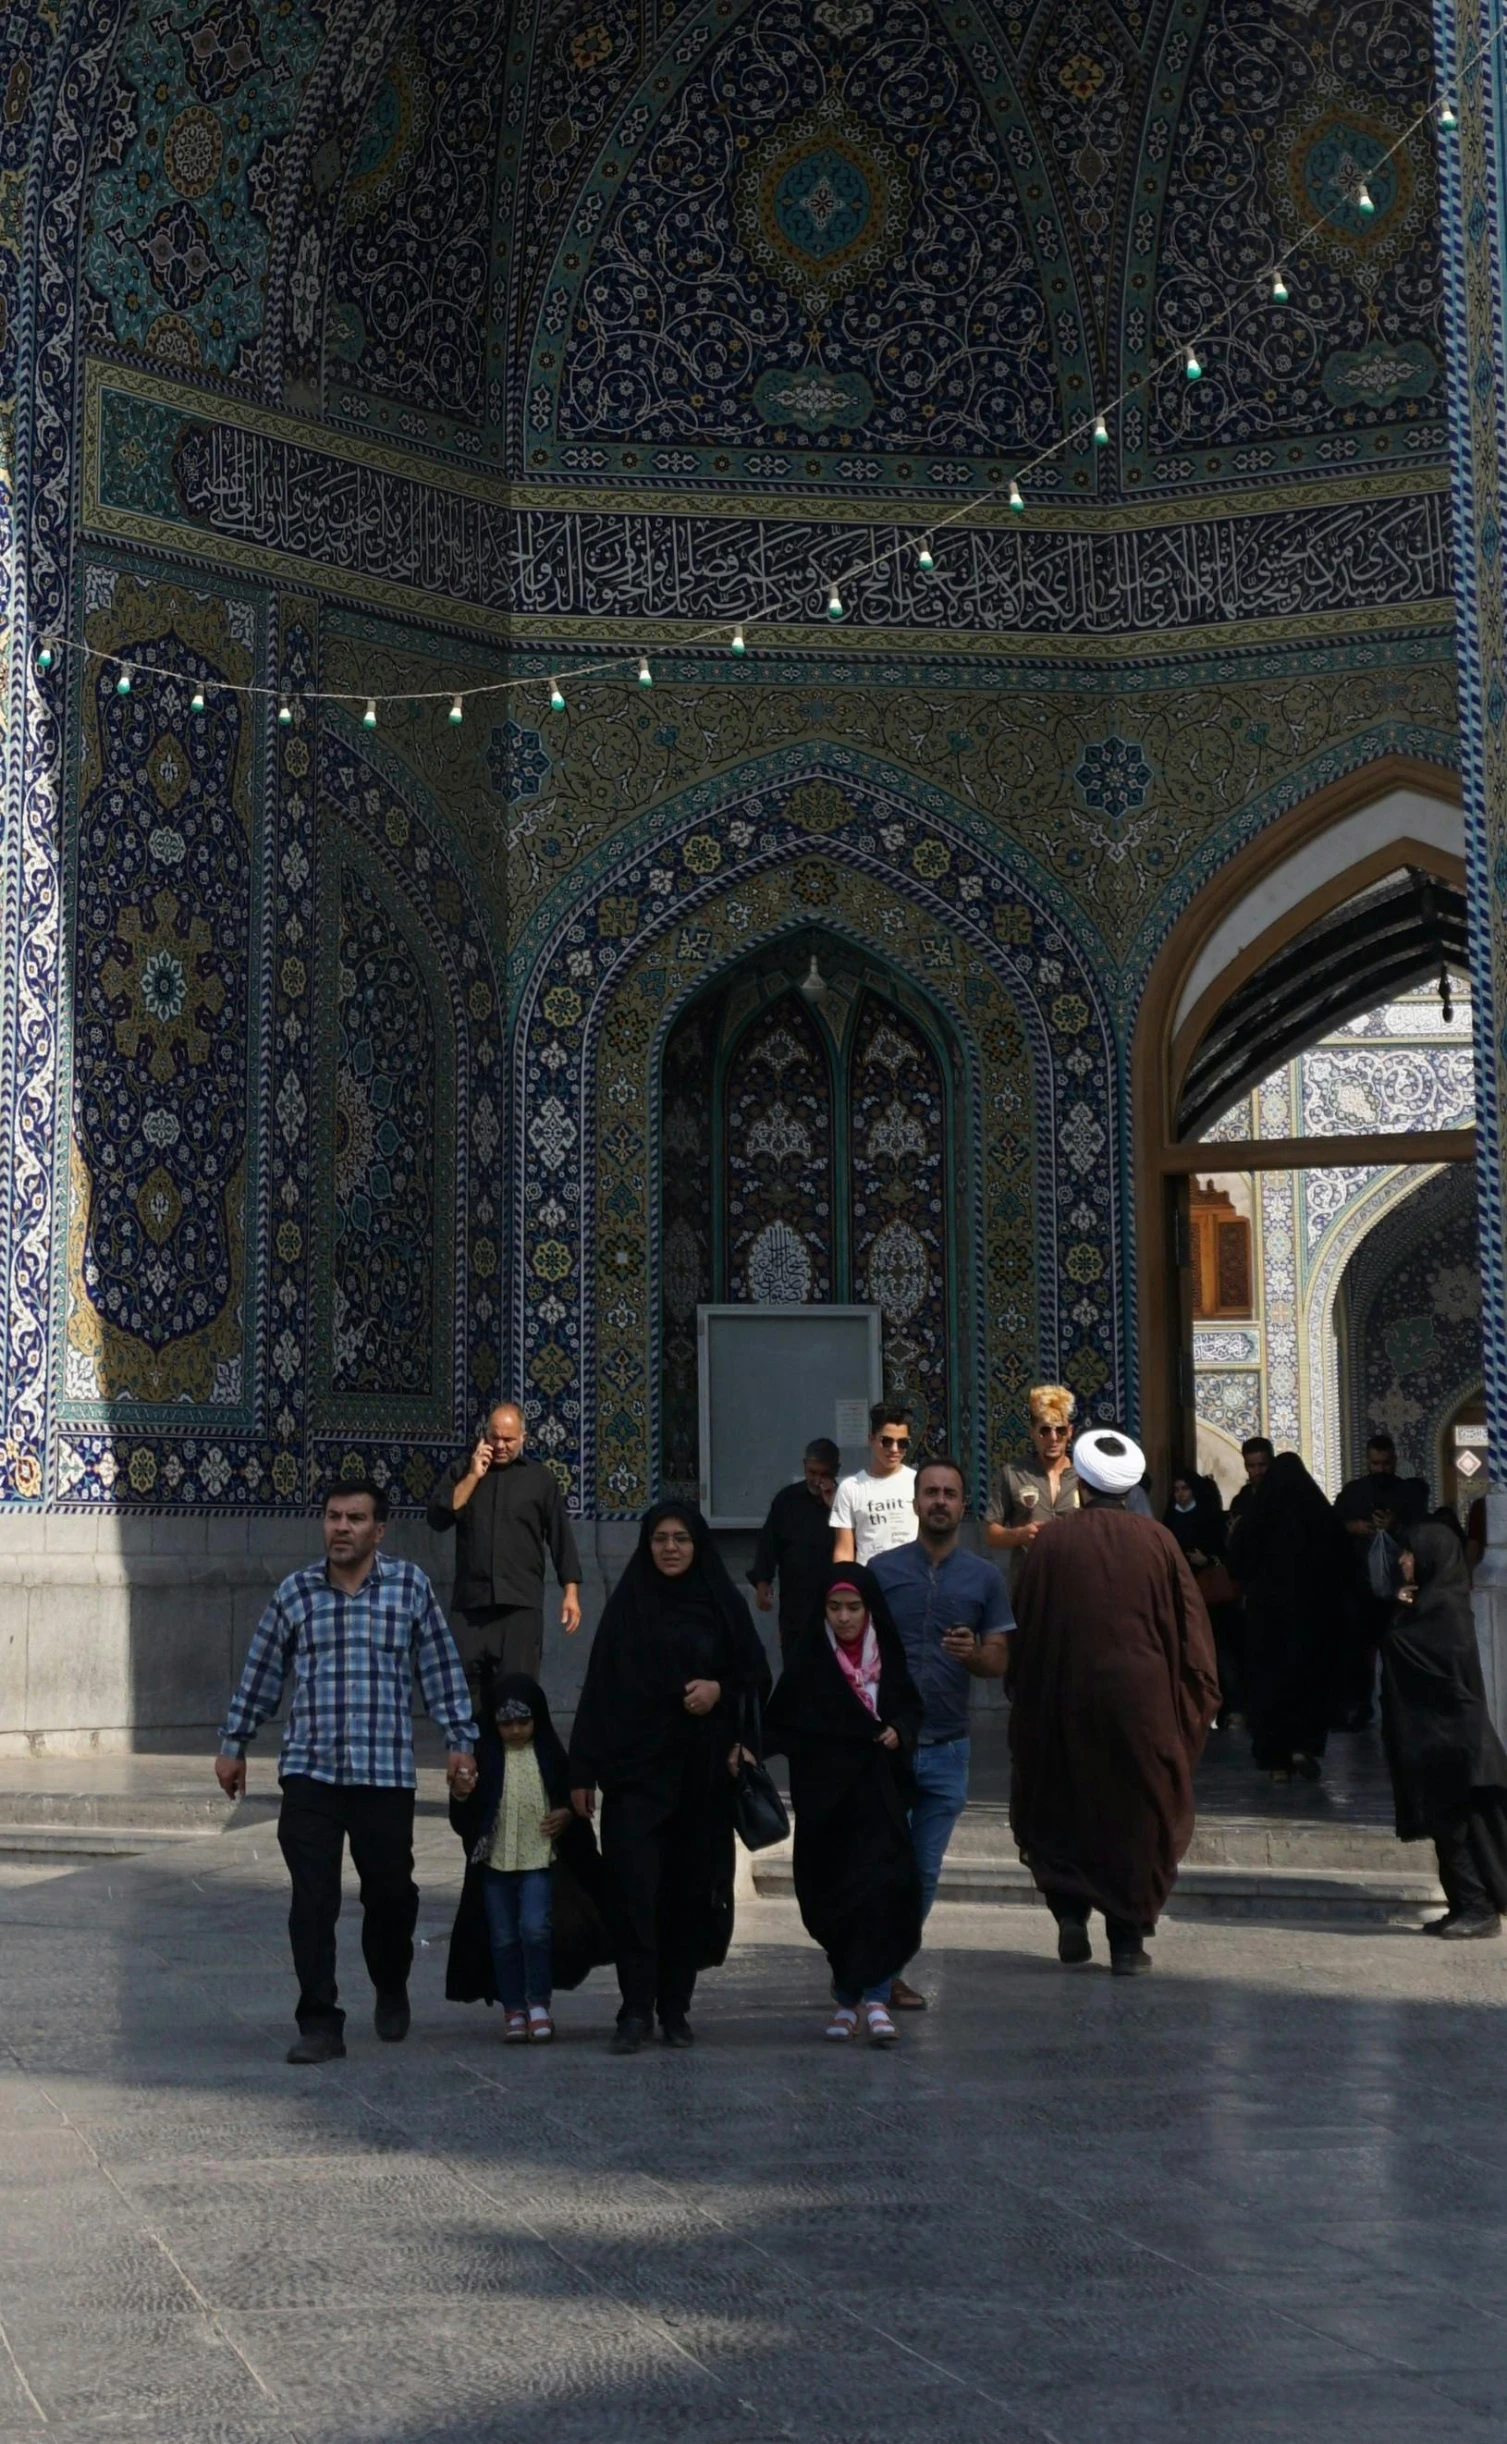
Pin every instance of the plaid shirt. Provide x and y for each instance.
(352, 1657)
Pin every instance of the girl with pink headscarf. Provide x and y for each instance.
(847, 1715)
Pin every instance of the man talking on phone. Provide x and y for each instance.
(954, 1619)
(507, 1512)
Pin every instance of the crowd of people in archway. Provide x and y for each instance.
(1122, 1641)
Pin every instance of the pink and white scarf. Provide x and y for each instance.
(859, 1664)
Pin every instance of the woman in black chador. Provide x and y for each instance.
(1449, 1769)
(847, 1714)
(658, 1724)
(1291, 1557)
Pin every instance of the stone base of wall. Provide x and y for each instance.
(121, 1634)
(1489, 1597)
(128, 1634)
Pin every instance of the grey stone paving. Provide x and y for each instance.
(1256, 2198)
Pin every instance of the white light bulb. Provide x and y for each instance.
(1363, 202)
(834, 601)
(123, 683)
(645, 674)
(44, 657)
(458, 710)
(1017, 497)
(556, 700)
(1192, 367)
(924, 559)
(196, 700)
(738, 645)
(285, 714)
(1279, 287)
(1101, 433)
(1447, 119)
(369, 717)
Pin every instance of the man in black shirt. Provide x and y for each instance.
(795, 1542)
(1379, 1503)
(1258, 1452)
(507, 1511)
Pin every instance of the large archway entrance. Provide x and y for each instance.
(1341, 902)
(809, 1108)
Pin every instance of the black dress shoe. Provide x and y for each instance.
(678, 2032)
(317, 2045)
(1468, 1926)
(1131, 1963)
(628, 2036)
(1073, 1946)
(391, 2018)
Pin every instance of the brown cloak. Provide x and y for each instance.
(1113, 1689)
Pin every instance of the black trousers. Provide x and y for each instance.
(656, 1879)
(1228, 1623)
(1068, 1910)
(316, 1820)
(1355, 1676)
(1472, 1867)
(514, 1631)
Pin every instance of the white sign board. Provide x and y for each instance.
(771, 1380)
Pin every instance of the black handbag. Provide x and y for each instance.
(759, 1813)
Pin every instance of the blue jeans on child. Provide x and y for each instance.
(870, 1994)
(518, 1928)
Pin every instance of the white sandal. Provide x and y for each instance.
(843, 2024)
(882, 2029)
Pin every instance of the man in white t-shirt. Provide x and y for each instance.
(876, 1509)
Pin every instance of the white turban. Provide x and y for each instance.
(1107, 1462)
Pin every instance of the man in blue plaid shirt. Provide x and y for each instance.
(351, 1631)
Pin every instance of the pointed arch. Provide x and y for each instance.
(722, 870)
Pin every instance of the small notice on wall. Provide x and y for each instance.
(852, 1423)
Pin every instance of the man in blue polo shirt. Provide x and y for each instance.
(954, 1619)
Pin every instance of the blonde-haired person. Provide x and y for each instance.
(1043, 1486)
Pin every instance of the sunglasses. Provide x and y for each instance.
(893, 1442)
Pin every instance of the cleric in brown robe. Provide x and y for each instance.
(1113, 1688)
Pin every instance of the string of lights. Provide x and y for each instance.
(1092, 430)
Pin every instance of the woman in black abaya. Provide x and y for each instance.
(658, 1723)
(1449, 1769)
(1291, 1558)
(847, 1714)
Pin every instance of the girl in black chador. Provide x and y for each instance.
(847, 1714)
(1449, 1770)
(657, 1728)
(531, 1907)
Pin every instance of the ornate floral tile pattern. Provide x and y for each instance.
(1412, 1296)
(446, 343)
(778, 1159)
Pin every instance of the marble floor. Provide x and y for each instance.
(1258, 2197)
